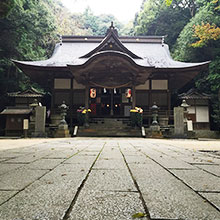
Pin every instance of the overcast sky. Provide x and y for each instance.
(123, 10)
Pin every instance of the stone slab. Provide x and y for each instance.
(163, 159)
(214, 198)
(167, 197)
(201, 159)
(214, 169)
(42, 200)
(19, 179)
(44, 164)
(178, 121)
(111, 153)
(96, 205)
(5, 195)
(60, 154)
(168, 161)
(40, 118)
(109, 164)
(8, 154)
(5, 168)
(29, 158)
(63, 169)
(199, 180)
(135, 159)
(88, 153)
(80, 159)
(114, 180)
(49, 197)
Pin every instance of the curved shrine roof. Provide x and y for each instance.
(149, 51)
(153, 55)
(138, 57)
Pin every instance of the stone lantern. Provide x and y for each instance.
(155, 110)
(63, 130)
(63, 112)
(185, 111)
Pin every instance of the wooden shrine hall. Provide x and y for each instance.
(111, 74)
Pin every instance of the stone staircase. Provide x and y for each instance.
(109, 127)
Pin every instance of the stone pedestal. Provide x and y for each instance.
(40, 118)
(163, 122)
(55, 119)
(62, 131)
(179, 122)
(155, 131)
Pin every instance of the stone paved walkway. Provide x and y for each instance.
(109, 178)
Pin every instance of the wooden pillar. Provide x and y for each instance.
(150, 101)
(168, 103)
(133, 96)
(112, 102)
(71, 107)
(87, 96)
(52, 92)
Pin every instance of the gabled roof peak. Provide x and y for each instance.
(113, 43)
(111, 29)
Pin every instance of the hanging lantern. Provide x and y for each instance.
(92, 93)
(128, 93)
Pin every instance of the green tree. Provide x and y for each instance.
(210, 50)
(98, 25)
(5, 7)
(26, 33)
(157, 19)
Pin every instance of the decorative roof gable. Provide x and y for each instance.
(194, 94)
(31, 93)
(111, 42)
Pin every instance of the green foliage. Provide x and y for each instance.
(183, 49)
(26, 33)
(158, 19)
(210, 81)
(147, 15)
(98, 25)
(168, 2)
(5, 7)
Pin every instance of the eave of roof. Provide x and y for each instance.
(16, 112)
(79, 51)
(29, 93)
(194, 94)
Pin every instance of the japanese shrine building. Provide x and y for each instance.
(100, 72)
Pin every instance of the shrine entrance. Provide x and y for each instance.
(109, 102)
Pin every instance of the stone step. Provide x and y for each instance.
(109, 127)
(113, 132)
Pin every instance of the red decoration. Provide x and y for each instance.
(128, 93)
(92, 93)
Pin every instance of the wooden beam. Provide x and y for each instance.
(87, 96)
(133, 96)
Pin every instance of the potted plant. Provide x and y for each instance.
(136, 115)
(83, 116)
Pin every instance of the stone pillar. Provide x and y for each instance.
(133, 96)
(178, 122)
(40, 118)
